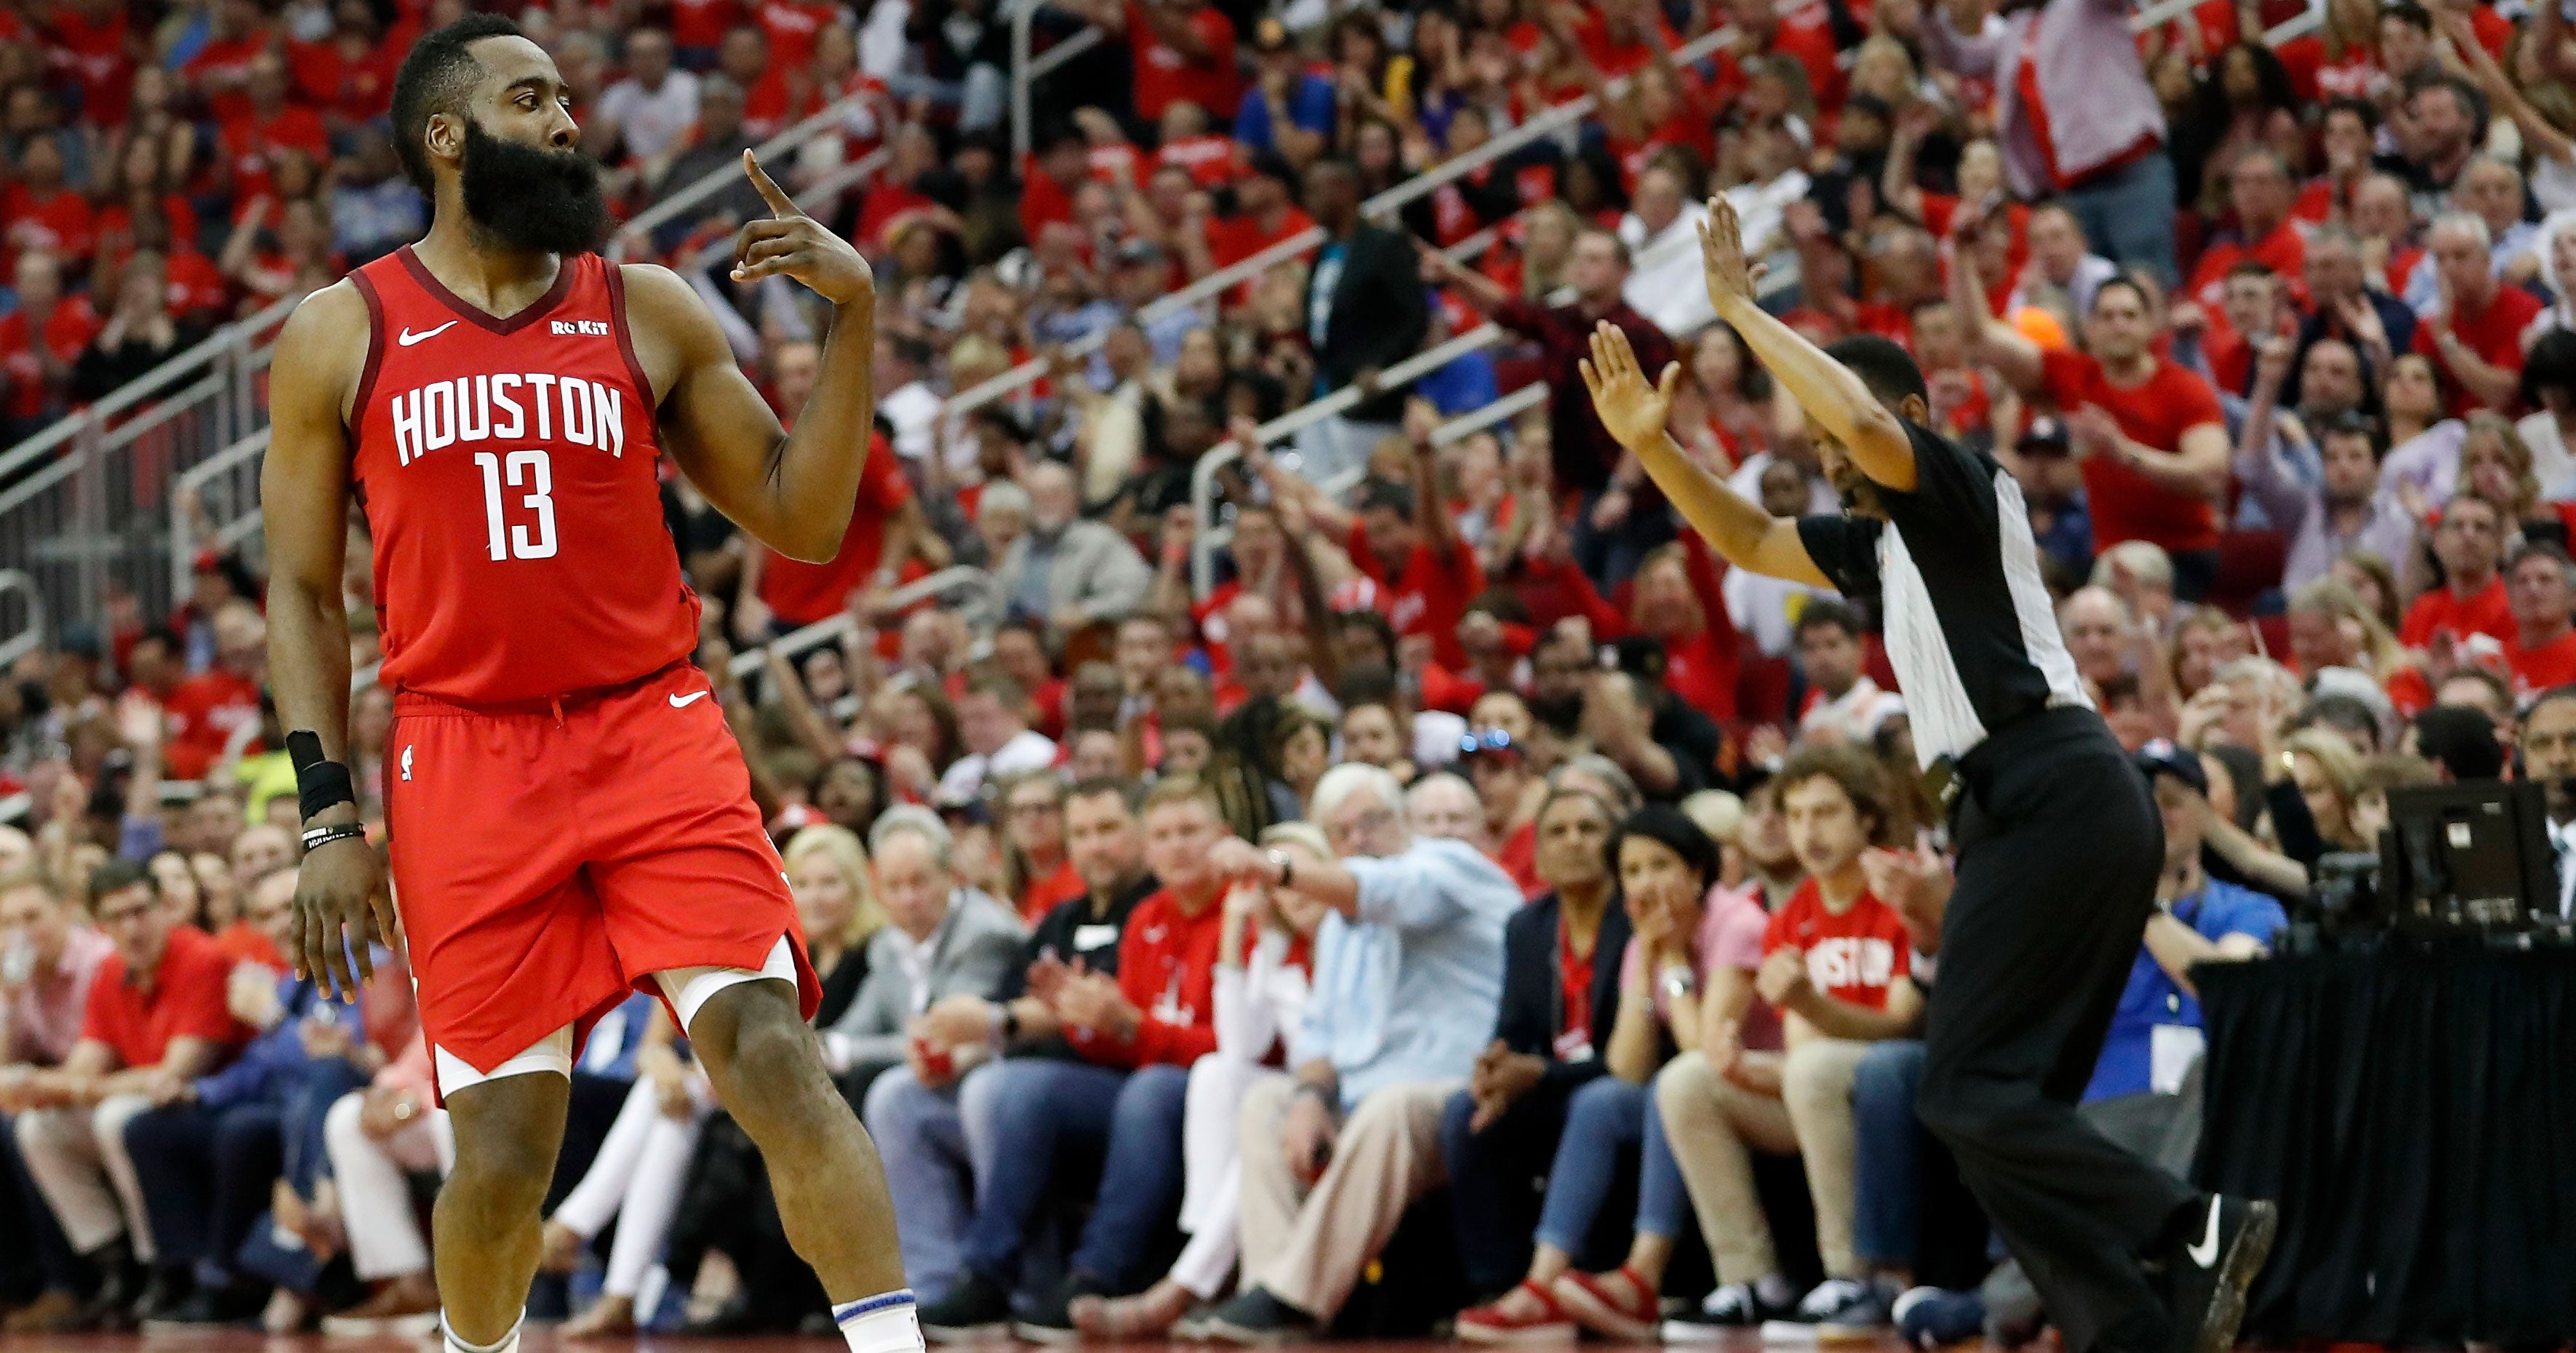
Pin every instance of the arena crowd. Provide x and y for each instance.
(1471, 904)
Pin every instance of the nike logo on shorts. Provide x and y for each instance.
(407, 337)
(684, 701)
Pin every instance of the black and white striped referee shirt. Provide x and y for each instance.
(1970, 630)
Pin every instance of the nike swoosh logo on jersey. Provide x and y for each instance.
(407, 337)
(684, 701)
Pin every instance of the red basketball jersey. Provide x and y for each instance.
(507, 471)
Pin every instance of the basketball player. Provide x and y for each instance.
(2059, 842)
(569, 817)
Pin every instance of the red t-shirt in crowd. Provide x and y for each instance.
(186, 1001)
(2284, 251)
(2439, 612)
(197, 286)
(67, 329)
(1519, 858)
(1040, 896)
(2538, 669)
(252, 145)
(2127, 505)
(60, 222)
(98, 56)
(331, 79)
(1210, 159)
(2493, 332)
(231, 58)
(1853, 957)
(1163, 74)
(800, 593)
(1167, 969)
(242, 942)
(1428, 597)
(793, 27)
(702, 23)
(203, 713)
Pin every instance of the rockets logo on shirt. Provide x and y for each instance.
(507, 407)
(1851, 961)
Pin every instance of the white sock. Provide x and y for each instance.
(885, 1323)
(507, 1343)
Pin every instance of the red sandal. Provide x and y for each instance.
(1492, 1324)
(1634, 1318)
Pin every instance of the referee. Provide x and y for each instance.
(2059, 842)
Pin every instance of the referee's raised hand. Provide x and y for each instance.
(1634, 412)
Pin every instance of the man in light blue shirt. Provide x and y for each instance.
(1408, 972)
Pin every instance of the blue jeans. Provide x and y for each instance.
(1604, 1119)
(2128, 215)
(1044, 1107)
(1888, 1140)
(936, 1146)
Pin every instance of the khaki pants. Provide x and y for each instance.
(1816, 1085)
(77, 1157)
(1307, 1246)
(1715, 1125)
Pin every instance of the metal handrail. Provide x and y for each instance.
(1026, 68)
(714, 181)
(1383, 205)
(142, 387)
(1502, 410)
(182, 557)
(1208, 538)
(31, 638)
(833, 627)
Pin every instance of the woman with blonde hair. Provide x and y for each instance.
(827, 869)
(2327, 772)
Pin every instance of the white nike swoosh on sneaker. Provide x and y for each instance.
(407, 337)
(684, 701)
(2205, 1253)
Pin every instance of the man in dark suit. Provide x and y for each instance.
(1365, 311)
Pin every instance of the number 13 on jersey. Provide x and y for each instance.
(536, 471)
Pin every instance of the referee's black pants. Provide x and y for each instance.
(2060, 847)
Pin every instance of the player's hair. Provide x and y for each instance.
(916, 820)
(1888, 370)
(436, 78)
(1861, 779)
(842, 846)
(1185, 788)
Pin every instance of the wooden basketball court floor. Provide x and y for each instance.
(542, 1340)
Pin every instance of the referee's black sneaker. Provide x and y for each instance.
(2212, 1270)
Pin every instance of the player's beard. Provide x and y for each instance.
(542, 201)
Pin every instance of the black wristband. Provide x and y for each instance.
(323, 785)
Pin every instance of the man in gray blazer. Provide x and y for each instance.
(1066, 571)
(946, 939)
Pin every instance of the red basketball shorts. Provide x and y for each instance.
(548, 858)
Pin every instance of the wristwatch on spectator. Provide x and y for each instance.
(1679, 981)
(1286, 864)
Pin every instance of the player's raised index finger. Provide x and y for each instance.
(780, 204)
